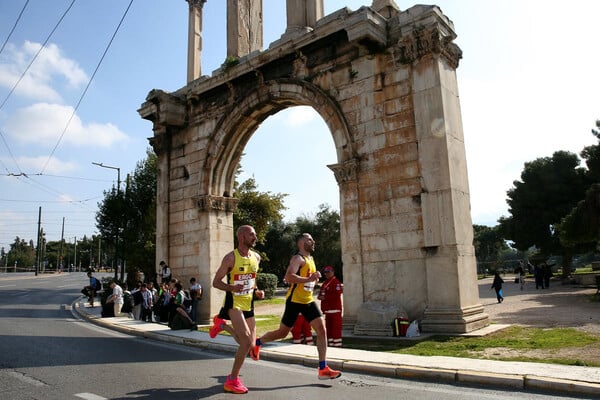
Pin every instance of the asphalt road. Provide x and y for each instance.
(47, 353)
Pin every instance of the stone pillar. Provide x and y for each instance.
(346, 175)
(161, 146)
(215, 238)
(452, 290)
(194, 69)
(302, 15)
(387, 8)
(244, 27)
(168, 115)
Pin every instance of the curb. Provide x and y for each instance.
(538, 384)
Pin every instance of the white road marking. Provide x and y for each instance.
(1, 286)
(89, 396)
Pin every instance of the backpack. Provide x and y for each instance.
(179, 322)
(187, 300)
(137, 298)
(127, 302)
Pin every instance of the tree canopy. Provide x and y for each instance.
(550, 187)
(126, 219)
(259, 209)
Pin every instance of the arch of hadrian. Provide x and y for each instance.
(384, 82)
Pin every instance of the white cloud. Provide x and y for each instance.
(55, 166)
(43, 123)
(296, 117)
(38, 82)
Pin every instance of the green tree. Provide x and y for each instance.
(259, 209)
(22, 253)
(126, 220)
(591, 155)
(325, 229)
(549, 189)
(488, 243)
(581, 227)
(139, 231)
(279, 245)
(109, 220)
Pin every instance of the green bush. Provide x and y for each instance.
(268, 283)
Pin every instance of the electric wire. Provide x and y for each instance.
(76, 178)
(14, 26)
(87, 86)
(11, 156)
(36, 55)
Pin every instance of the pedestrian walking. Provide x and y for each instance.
(497, 286)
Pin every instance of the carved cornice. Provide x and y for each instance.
(160, 143)
(216, 203)
(196, 3)
(164, 110)
(428, 41)
(346, 171)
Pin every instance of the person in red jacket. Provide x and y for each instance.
(331, 305)
(302, 332)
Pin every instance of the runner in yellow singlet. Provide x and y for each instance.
(302, 275)
(240, 266)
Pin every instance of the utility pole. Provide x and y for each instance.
(118, 222)
(75, 256)
(37, 250)
(62, 239)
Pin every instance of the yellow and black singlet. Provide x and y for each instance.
(302, 293)
(243, 272)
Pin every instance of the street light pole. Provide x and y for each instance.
(118, 222)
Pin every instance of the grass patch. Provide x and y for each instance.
(274, 300)
(515, 338)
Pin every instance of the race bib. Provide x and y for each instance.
(309, 286)
(247, 280)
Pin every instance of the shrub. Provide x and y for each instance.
(268, 283)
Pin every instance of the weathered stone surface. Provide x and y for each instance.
(385, 85)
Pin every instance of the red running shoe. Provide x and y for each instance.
(235, 385)
(216, 328)
(328, 373)
(255, 353)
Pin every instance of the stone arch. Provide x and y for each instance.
(386, 87)
(237, 125)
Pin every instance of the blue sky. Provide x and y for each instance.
(528, 83)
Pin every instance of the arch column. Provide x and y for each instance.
(346, 175)
(302, 15)
(215, 239)
(244, 27)
(453, 303)
(194, 68)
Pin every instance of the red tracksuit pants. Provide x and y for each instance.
(333, 323)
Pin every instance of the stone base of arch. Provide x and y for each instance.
(457, 320)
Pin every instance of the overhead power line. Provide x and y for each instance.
(87, 86)
(14, 26)
(77, 178)
(11, 156)
(36, 55)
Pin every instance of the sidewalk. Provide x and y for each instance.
(547, 378)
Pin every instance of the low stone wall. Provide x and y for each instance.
(585, 279)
